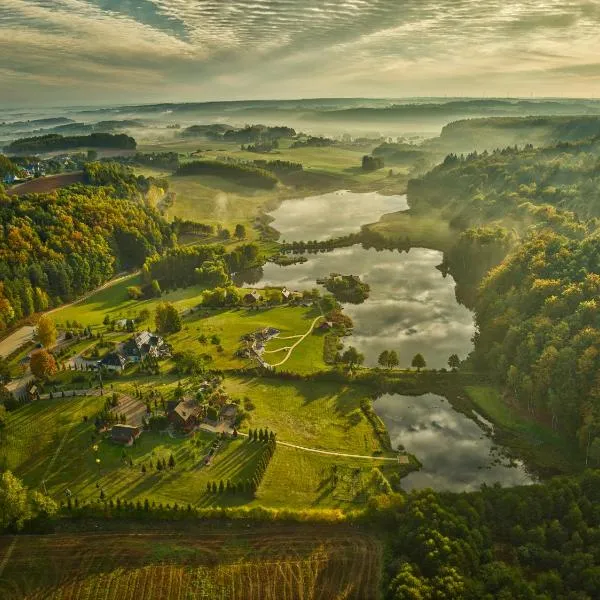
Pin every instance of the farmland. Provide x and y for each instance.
(216, 562)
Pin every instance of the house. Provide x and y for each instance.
(125, 434)
(228, 414)
(114, 361)
(33, 393)
(186, 415)
(252, 298)
(144, 344)
(325, 325)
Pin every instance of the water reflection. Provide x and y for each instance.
(412, 307)
(455, 451)
(332, 215)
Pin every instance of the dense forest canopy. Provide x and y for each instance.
(54, 141)
(532, 543)
(55, 247)
(238, 172)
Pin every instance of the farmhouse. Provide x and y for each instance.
(144, 344)
(125, 434)
(114, 361)
(186, 415)
(252, 298)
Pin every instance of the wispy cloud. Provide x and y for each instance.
(125, 50)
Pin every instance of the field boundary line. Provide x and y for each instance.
(55, 456)
(8, 554)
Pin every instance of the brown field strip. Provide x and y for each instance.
(301, 562)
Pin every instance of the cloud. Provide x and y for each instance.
(128, 49)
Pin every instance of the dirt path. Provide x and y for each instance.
(8, 554)
(302, 338)
(342, 454)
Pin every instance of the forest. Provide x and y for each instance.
(530, 217)
(539, 542)
(238, 172)
(55, 141)
(55, 247)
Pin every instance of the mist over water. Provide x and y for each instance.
(332, 215)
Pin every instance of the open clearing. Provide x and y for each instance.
(46, 184)
(238, 562)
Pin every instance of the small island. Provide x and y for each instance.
(346, 288)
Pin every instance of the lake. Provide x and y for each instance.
(456, 452)
(411, 308)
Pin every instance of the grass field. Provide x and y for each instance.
(322, 415)
(51, 447)
(217, 200)
(239, 562)
(230, 325)
(422, 231)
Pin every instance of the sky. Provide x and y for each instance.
(72, 52)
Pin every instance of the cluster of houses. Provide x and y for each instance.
(186, 414)
(29, 171)
(254, 297)
(136, 349)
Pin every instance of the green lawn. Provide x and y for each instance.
(324, 415)
(114, 302)
(230, 325)
(50, 446)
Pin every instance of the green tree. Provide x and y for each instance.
(240, 231)
(383, 358)
(393, 360)
(418, 362)
(454, 362)
(352, 357)
(167, 318)
(4, 371)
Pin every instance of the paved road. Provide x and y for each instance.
(16, 339)
(25, 334)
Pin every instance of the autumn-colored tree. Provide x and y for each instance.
(43, 364)
(46, 331)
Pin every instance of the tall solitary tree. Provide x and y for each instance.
(418, 362)
(167, 318)
(453, 361)
(46, 331)
(240, 231)
(393, 360)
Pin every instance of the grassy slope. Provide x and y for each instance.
(322, 415)
(215, 200)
